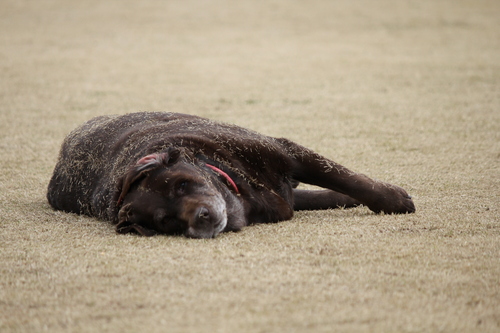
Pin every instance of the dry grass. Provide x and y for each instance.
(407, 92)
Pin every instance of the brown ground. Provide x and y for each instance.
(405, 91)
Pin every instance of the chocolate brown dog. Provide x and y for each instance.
(174, 173)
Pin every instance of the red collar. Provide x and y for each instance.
(225, 175)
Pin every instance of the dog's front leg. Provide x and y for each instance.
(312, 168)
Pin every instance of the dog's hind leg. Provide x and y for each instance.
(312, 168)
(322, 199)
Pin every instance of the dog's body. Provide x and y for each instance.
(181, 174)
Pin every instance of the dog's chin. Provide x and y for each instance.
(220, 226)
(220, 215)
(206, 233)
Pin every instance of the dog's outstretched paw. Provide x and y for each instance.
(392, 199)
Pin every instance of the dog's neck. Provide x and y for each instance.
(226, 176)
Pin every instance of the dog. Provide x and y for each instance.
(170, 173)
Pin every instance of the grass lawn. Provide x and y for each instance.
(405, 92)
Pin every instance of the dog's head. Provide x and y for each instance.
(165, 193)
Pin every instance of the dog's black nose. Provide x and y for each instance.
(204, 213)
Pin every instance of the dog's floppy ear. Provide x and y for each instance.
(143, 166)
(154, 160)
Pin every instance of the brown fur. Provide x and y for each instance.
(147, 173)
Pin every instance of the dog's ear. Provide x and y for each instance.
(153, 160)
(143, 166)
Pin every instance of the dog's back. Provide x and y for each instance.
(81, 165)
